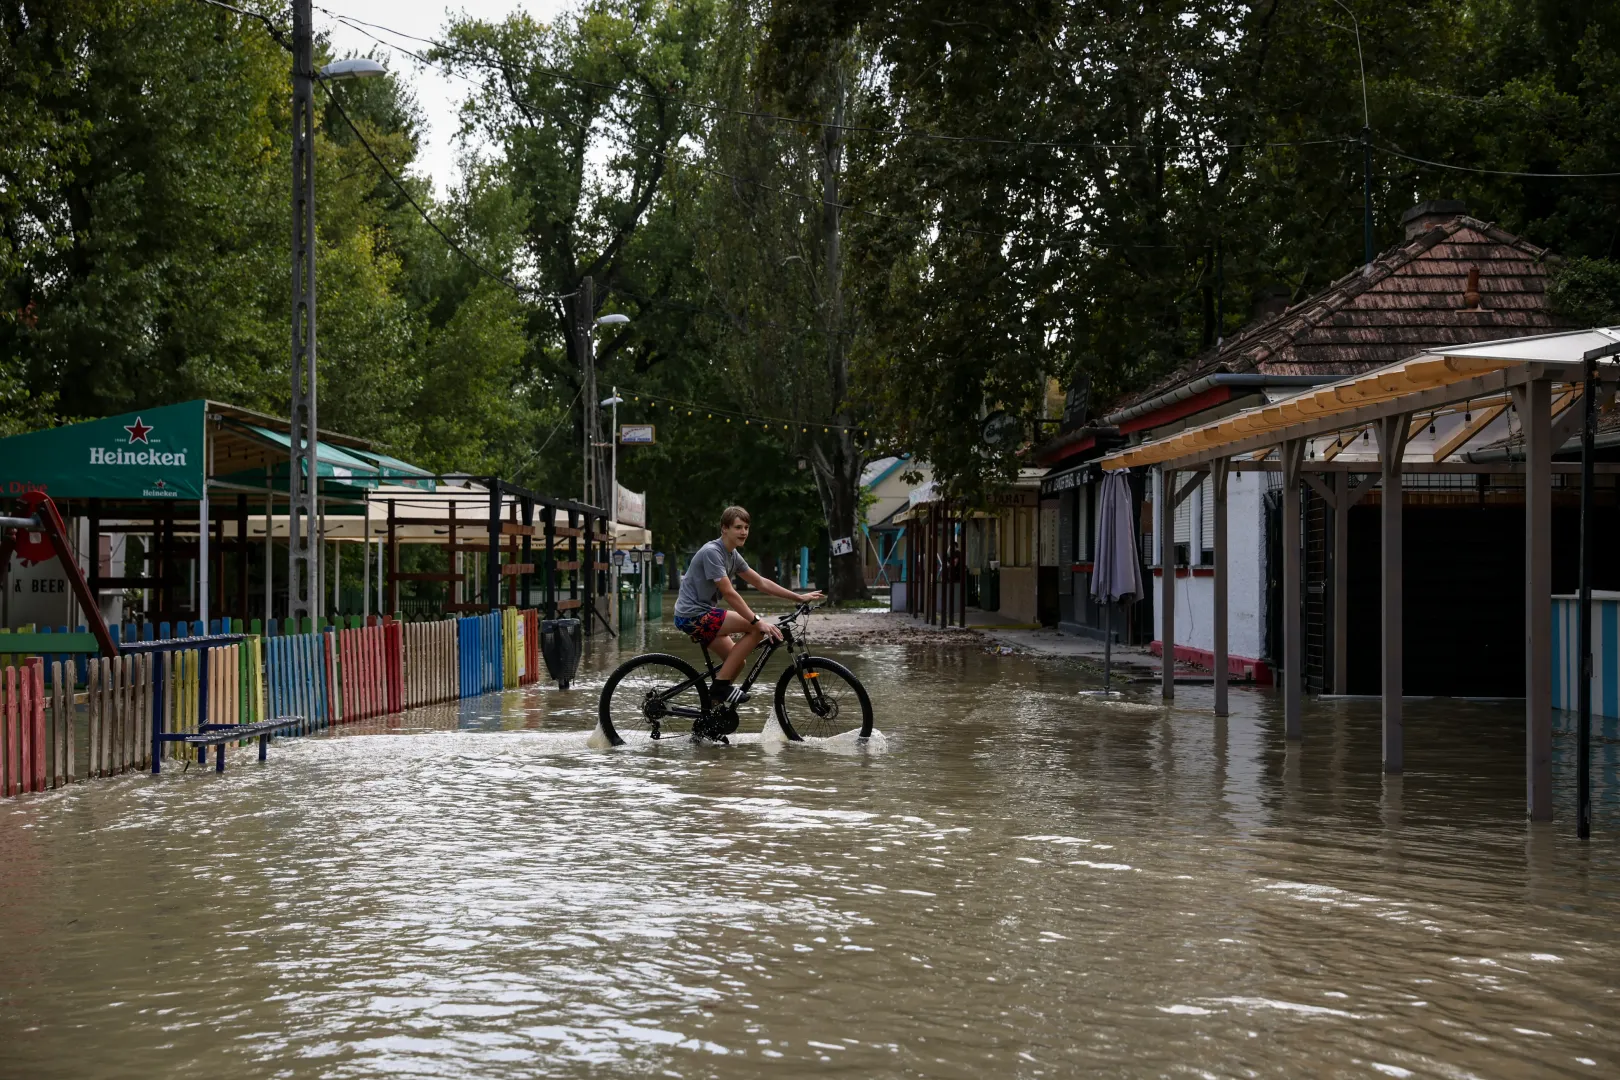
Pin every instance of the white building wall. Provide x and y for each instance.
(1195, 595)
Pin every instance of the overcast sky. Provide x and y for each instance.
(439, 95)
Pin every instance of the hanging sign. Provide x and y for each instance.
(638, 434)
(631, 508)
(843, 546)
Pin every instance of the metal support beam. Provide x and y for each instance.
(1167, 583)
(303, 478)
(1293, 456)
(1219, 473)
(1341, 583)
(1392, 435)
(1533, 402)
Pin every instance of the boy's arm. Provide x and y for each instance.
(771, 588)
(733, 598)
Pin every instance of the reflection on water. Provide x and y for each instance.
(1026, 883)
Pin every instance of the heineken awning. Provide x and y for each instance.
(162, 453)
(150, 454)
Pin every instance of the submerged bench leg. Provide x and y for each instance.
(264, 746)
(219, 757)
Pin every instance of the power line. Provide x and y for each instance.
(520, 290)
(922, 225)
(799, 121)
(1497, 172)
(274, 30)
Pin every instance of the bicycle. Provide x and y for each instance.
(665, 696)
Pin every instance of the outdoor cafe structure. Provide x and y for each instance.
(1305, 439)
(157, 474)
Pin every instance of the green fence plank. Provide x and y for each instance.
(32, 644)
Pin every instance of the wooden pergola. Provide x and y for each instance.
(1438, 411)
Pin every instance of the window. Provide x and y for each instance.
(1048, 547)
(1206, 536)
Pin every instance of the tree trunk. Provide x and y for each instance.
(838, 478)
(838, 462)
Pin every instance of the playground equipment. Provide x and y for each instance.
(42, 518)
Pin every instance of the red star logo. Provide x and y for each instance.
(161, 484)
(138, 432)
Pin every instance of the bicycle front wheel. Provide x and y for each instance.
(820, 698)
(655, 693)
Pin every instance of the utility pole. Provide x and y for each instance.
(303, 589)
(584, 311)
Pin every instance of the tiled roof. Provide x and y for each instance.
(1409, 299)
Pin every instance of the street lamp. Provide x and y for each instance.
(588, 421)
(613, 468)
(358, 68)
(303, 565)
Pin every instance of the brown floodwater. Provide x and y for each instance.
(1013, 880)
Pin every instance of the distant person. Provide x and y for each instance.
(708, 580)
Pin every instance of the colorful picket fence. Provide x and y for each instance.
(23, 736)
(432, 660)
(298, 677)
(482, 670)
(520, 640)
(327, 676)
(367, 666)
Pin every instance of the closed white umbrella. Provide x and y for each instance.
(1116, 566)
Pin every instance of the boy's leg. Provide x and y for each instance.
(735, 654)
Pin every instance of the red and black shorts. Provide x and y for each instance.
(704, 628)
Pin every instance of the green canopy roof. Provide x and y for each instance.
(330, 462)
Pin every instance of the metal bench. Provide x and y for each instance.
(218, 735)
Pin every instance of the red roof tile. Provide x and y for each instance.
(1407, 300)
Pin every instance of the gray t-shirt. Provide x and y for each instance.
(698, 589)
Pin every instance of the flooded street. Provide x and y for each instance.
(1013, 881)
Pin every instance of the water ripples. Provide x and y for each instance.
(1011, 881)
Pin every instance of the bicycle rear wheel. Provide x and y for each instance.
(820, 698)
(655, 693)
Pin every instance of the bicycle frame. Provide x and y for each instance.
(762, 657)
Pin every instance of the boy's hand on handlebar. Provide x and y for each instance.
(813, 594)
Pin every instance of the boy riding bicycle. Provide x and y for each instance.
(708, 580)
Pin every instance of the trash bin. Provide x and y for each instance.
(990, 589)
(561, 642)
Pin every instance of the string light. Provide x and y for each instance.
(765, 422)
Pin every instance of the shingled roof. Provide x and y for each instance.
(1408, 299)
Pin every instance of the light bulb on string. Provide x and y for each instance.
(1468, 412)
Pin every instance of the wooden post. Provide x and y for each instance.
(1392, 436)
(1166, 529)
(1341, 584)
(551, 559)
(573, 560)
(393, 561)
(526, 557)
(1220, 470)
(241, 557)
(1533, 402)
(1293, 454)
(492, 559)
